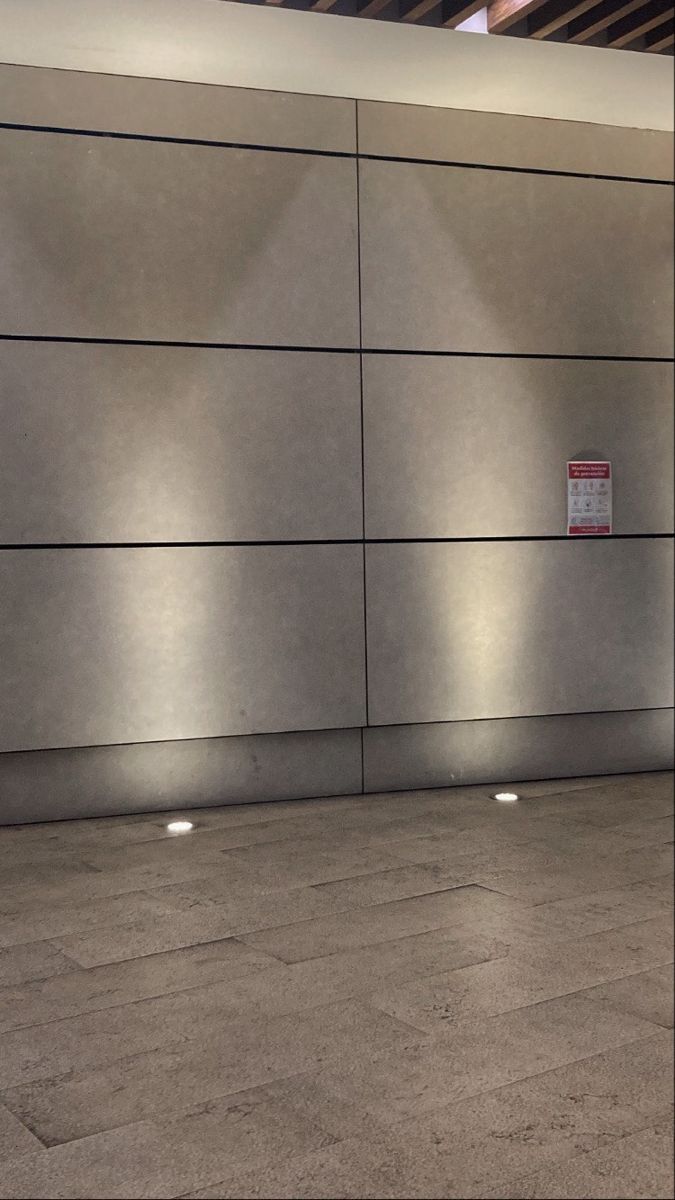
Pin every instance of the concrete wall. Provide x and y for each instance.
(244, 45)
(285, 420)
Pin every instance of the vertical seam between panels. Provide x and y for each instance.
(363, 452)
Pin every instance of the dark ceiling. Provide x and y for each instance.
(645, 25)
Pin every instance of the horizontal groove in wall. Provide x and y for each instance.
(589, 712)
(468, 166)
(220, 737)
(515, 355)
(216, 737)
(175, 345)
(100, 341)
(544, 537)
(116, 135)
(476, 166)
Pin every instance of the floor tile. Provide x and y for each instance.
(34, 875)
(569, 840)
(611, 803)
(537, 1037)
(242, 1055)
(349, 1170)
(306, 834)
(377, 923)
(560, 787)
(648, 832)
(52, 921)
(613, 952)
(115, 1165)
(647, 862)
(35, 960)
(245, 910)
(251, 912)
(488, 988)
(648, 995)
(397, 884)
(92, 886)
(209, 834)
(100, 1039)
(274, 867)
(392, 962)
(660, 891)
(83, 991)
(242, 1131)
(595, 912)
(639, 1166)
(545, 884)
(467, 848)
(204, 847)
(154, 934)
(15, 1139)
(340, 1119)
(479, 1055)
(551, 923)
(50, 850)
(164, 1158)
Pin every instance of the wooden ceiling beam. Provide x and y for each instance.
(370, 8)
(660, 38)
(323, 5)
(415, 11)
(453, 14)
(583, 28)
(554, 15)
(649, 16)
(503, 13)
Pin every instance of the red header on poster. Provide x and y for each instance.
(589, 498)
(589, 470)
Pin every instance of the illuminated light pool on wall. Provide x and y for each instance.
(507, 797)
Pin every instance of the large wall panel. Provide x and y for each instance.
(464, 752)
(499, 139)
(109, 238)
(476, 447)
(130, 645)
(48, 785)
(464, 630)
(163, 108)
(514, 263)
(144, 443)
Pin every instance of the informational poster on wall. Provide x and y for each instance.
(589, 498)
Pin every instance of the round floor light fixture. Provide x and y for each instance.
(506, 797)
(180, 827)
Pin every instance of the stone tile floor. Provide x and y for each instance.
(425, 994)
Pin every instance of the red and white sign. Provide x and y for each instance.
(589, 498)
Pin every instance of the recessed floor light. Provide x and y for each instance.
(506, 796)
(180, 826)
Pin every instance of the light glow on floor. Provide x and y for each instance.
(180, 826)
